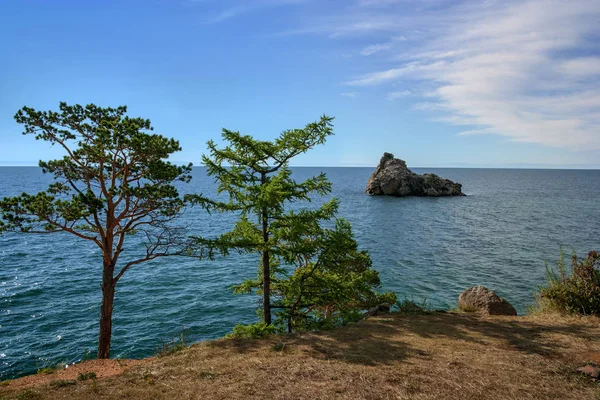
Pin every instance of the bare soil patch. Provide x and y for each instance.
(101, 368)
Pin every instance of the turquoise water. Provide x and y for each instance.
(500, 235)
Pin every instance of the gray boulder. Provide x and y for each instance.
(482, 299)
(393, 178)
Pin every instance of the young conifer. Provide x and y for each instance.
(305, 269)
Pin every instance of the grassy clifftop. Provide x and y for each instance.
(394, 356)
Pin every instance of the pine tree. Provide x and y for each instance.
(328, 280)
(296, 252)
(112, 183)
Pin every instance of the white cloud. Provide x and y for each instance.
(581, 67)
(374, 48)
(394, 73)
(477, 132)
(528, 70)
(234, 8)
(525, 69)
(378, 77)
(398, 94)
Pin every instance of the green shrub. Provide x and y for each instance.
(321, 322)
(62, 383)
(86, 376)
(47, 367)
(577, 292)
(253, 331)
(278, 346)
(28, 394)
(174, 346)
(407, 306)
(47, 370)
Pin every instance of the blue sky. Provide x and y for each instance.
(436, 82)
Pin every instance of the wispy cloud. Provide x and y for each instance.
(374, 48)
(375, 78)
(378, 77)
(227, 9)
(528, 70)
(398, 94)
(581, 67)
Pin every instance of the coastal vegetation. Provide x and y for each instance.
(115, 188)
(112, 188)
(576, 291)
(310, 270)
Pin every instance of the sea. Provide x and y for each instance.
(503, 234)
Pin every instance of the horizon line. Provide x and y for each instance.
(533, 166)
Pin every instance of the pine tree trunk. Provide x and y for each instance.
(266, 288)
(266, 272)
(106, 310)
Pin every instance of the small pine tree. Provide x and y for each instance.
(304, 268)
(326, 280)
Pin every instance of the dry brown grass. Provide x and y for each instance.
(395, 356)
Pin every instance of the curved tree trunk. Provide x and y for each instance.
(106, 310)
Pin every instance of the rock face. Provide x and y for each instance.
(480, 298)
(393, 178)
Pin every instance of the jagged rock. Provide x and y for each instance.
(480, 298)
(393, 178)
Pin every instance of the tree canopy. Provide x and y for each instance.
(114, 181)
(304, 268)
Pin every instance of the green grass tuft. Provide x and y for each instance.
(252, 331)
(85, 376)
(278, 346)
(206, 375)
(28, 394)
(407, 306)
(174, 346)
(62, 383)
(46, 371)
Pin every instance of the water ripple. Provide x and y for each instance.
(500, 235)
